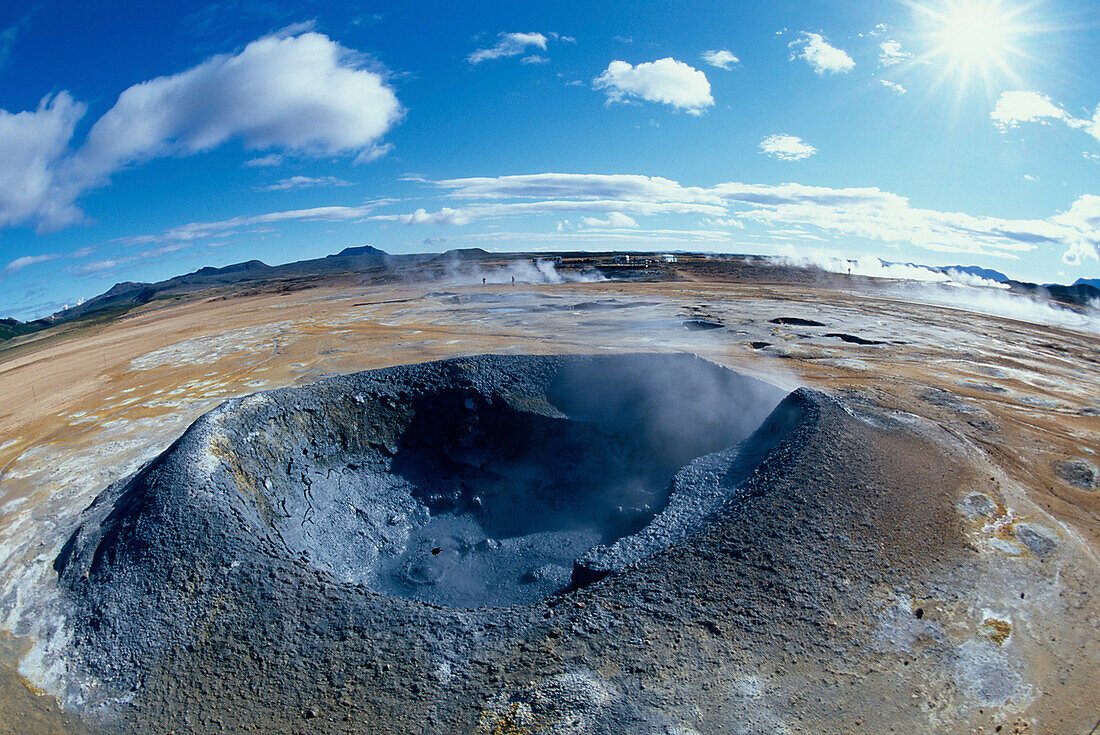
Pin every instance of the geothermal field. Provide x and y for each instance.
(496, 494)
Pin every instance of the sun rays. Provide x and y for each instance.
(974, 41)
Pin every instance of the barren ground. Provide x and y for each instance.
(1017, 401)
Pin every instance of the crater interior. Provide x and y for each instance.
(480, 482)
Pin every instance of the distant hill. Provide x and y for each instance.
(14, 328)
(124, 296)
(987, 273)
(366, 259)
(462, 254)
(363, 250)
(1079, 294)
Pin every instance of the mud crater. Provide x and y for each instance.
(483, 481)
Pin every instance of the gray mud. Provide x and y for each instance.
(675, 555)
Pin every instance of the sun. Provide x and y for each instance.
(974, 39)
(976, 33)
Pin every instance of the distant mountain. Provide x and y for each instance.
(973, 270)
(251, 266)
(119, 298)
(14, 328)
(1084, 292)
(462, 254)
(1079, 294)
(987, 273)
(363, 250)
(124, 296)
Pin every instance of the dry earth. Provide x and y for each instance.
(985, 618)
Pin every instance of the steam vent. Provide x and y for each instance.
(640, 543)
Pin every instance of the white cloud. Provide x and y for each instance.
(786, 147)
(615, 220)
(223, 228)
(32, 148)
(891, 52)
(722, 59)
(27, 260)
(1018, 107)
(668, 81)
(509, 44)
(7, 43)
(602, 206)
(724, 223)
(820, 55)
(305, 94)
(868, 213)
(608, 204)
(1014, 108)
(893, 86)
(272, 159)
(445, 216)
(586, 186)
(1083, 217)
(534, 59)
(304, 182)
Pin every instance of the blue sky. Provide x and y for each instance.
(142, 140)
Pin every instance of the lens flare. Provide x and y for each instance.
(972, 40)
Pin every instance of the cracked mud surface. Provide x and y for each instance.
(916, 553)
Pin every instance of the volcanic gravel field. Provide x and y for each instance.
(707, 503)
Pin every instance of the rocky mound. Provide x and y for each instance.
(626, 544)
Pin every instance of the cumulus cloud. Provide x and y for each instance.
(614, 220)
(722, 59)
(33, 146)
(893, 86)
(1018, 107)
(1083, 217)
(508, 44)
(891, 53)
(786, 147)
(304, 182)
(306, 94)
(823, 57)
(667, 81)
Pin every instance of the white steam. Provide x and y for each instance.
(869, 265)
(525, 271)
(952, 289)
